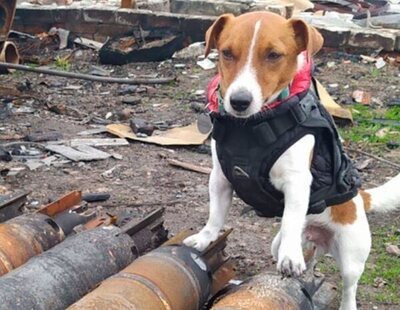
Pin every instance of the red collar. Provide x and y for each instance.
(300, 83)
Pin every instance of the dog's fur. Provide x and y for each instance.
(260, 52)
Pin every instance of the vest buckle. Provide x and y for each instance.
(298, 113)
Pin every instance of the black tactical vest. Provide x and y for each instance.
(248, 148)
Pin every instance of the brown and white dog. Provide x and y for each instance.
(261, 52)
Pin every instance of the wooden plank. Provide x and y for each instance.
(91, 142)
(189, 166)
(79, 153)
(89, 43)
(93, 131)
(99, 142)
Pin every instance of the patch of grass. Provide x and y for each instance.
(327, 265)
(63, 63)
(382, 265)
(373, 126)
(375, 72)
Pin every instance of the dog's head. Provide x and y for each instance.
(258, 57)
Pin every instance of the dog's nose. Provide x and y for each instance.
(241, 100)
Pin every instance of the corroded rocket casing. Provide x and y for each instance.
(171, 277)
(24, 237)
(63, 274)
(269, 291)
(7, 12)
(28, 235)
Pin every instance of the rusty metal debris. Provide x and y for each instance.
(8, 54)
(31, 234)
(141, 45)
(7, 12)
(268, 291)
(10, 205)
(69, 200)
(63, 274)
(171, 277)
(8, 50)
(141, 127)
(128, 4)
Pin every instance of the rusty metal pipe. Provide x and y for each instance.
(89, 77)
(173, 277)
(269, 291)
(7, 12)
(63, 274)
(28, 235)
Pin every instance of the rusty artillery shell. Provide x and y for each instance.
(63, 274)
(270, 291)
(24, 237)
(173, 277)
(28, 235)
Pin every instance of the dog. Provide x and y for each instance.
(261, 55)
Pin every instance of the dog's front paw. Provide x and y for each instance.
(201, 240)
(291, 263)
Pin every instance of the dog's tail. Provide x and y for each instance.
(383, 198)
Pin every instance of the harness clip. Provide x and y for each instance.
(240, 173)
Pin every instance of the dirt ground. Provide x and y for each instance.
(143, 177)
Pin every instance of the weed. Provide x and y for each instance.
(327, 265)
(373, 126)
(63, 63)
(18, 74)
(375, 72)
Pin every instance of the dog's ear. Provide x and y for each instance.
(214, 31)
(307, 37)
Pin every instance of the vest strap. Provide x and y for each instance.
(269, 131)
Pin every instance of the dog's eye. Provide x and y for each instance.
(227, 54)
(273, 56)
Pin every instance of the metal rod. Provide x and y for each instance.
(388, 162)
(89, 77)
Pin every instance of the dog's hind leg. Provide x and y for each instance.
(221, 192)
(350, 249)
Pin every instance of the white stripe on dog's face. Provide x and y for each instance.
(246, 80)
